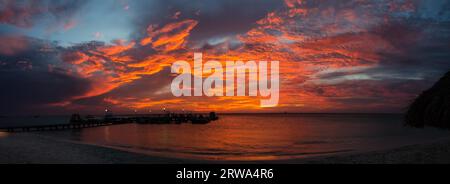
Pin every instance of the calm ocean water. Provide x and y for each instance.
(258, 137)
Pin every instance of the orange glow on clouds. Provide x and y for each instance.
(279, 36)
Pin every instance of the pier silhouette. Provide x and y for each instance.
(78, 122)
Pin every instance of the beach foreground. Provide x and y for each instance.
(24, 148)
(34, 148)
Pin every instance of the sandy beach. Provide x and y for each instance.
(427, 153)
(28, 148)
(24, 148)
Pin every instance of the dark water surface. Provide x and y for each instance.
(260, 137)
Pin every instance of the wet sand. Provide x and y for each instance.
(24, 148)
(427, 153)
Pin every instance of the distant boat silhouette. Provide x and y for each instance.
(432, 107)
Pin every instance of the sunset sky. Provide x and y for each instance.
(61, 57)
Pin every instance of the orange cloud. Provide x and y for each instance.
(118, 47)
(170, 37)
(75, 57)
(305, 50)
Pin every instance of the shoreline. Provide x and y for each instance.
(425, 153)
(29, 148)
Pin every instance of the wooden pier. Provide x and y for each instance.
(78, 123)
(55, 127)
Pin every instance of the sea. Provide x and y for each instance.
(246, 137)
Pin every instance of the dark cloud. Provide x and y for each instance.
(422, 49)
(418, 53)
(25, 92)
(24, 13)
(216, 17)
(33, 79)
